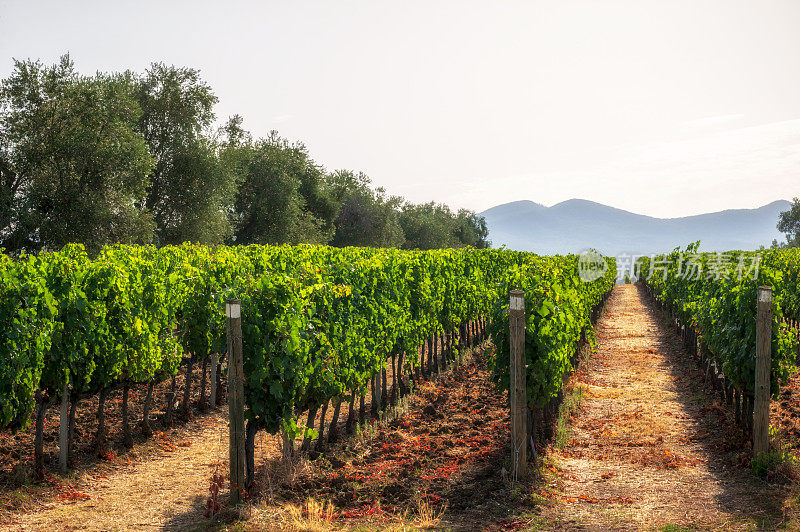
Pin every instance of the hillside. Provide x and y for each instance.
(575, 225)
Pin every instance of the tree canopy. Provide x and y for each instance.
(135, 158)
(789, 223)
(75, 165)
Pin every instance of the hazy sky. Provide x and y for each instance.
(664, 108)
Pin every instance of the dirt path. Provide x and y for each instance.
(161, 485)
(649, 448)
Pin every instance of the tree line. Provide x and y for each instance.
(789, 223)
(136, 158)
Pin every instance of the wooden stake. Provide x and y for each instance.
(763, 366)
(233, 311)
(519, 431)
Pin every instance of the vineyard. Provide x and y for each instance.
(712, 298)
(319, 324)
(335, 338)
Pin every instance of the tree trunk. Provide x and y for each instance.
(214, 387)
(100, 436)
(38, 453)
(529, 426)
(250, 431)
(351, 413)
(168, 414)
(187, 390)
(384, 394)
(287, 449)
(333, 431)
(202, 404)
(312, 414)
(220, 395)
(362, 414)
(425, 358)
(415, 373)
(373, 396)
(71, 426)
(401, 386)
(63, 429)
(438, 351)
(737, 406)
(433, 364)
(320, 438)
(416, 368)
(127, 439)
(393, 396)
(148, 399)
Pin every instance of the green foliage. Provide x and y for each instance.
(127, 158)
(558, 305)
(366, 217)
(716, 294)
(435, 226)
(317, 321)
(74, 164)
(190, 189)
(789, 223)
(771, 461)
(270, 206)
(27, 322)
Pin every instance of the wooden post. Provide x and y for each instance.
(233, 311)
(763, 366)
(519, 431)
(214, 364)
(63, 430)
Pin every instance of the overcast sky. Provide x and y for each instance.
(664, 108)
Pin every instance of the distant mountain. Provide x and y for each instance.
(575, 225)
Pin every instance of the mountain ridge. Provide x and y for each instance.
(576, 224)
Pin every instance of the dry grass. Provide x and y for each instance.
(427, 515)
(312, 516)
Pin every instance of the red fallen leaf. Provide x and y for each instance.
(107, 455)
(73, 496)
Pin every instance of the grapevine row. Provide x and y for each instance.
(318, 323)
(713, 297)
